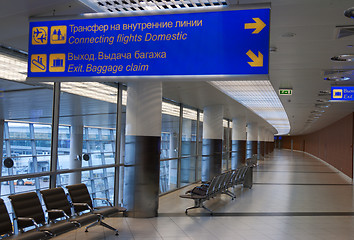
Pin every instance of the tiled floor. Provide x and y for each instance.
(294, 197)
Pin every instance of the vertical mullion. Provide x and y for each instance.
(8, 154)
(34, 156)
(228, 145)
(179, 146)
(117, 144)
(103, 160)
(197, 146)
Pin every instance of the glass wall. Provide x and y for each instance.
(169, 146)
(226, 145)
(90, 109)
(188, 146)
(87, 126)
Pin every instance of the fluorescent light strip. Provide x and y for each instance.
(12, 68)
(224, 123)
(112, 6)
(190, 114)
(260, 97)
(170, 109)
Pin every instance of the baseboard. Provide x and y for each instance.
(344, 176)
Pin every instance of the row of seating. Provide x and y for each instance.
(28, 213)
(219, 184)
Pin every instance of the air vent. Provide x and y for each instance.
(345, 31)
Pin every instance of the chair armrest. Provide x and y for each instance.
(104, 199)
(59, 211)
(83, 204)
(29, 219)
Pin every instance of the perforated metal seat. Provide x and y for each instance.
(29, 212)
(6, 227)
(82, 201)
(58, 206)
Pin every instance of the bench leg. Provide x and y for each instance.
(109, 227)
(227, 192)
(198, 203)
(211, 212)
(102, 224)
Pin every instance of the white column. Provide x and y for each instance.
(212, 141)
(252, 139)
(238, 156)
(142, 149)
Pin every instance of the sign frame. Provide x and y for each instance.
(342, 94)
(159, 78)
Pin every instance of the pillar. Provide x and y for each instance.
(142, 149)
(76, 141)
(260, 144)
(238, 155)
(252, 139)
(266, 142)
(272, 144)
(212, 142)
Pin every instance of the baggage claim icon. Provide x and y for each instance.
(57, 62)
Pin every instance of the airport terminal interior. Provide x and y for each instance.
(262, 149)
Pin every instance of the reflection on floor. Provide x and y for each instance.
(294, 197)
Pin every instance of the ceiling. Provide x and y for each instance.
(303, 38)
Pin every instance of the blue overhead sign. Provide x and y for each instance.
(205, 43)
(342, 93)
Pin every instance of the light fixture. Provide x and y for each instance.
(261, 98)
(337, 79)
(320, 105)
(13, 64)
(318, 111)
(112, 6)
(349, 13)
(322, 100)
(343, 58)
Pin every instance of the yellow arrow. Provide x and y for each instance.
(257, 60)
(257, 26)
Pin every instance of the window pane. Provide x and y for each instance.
(168, 175)
(169, 136)
(42, 131)
(19, 130)
(189, 131)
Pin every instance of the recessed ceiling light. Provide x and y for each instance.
(343, 58)
(321, 105)
(318, 111)
(336, 79)
(261, 98)
(322, 100)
